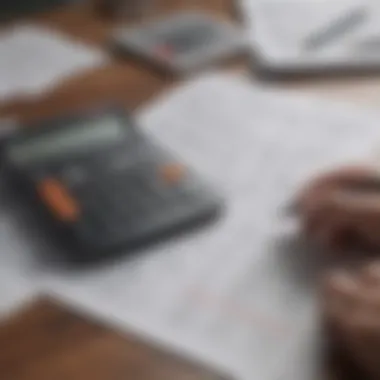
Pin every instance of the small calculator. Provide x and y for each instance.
(181, 43)
(105, 186)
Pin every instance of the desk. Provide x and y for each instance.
(132, 85)
(48, 341)
(127, 82)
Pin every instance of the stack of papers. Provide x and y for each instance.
(15, 291)
(314, 35)
(239, 294)
(35, 59)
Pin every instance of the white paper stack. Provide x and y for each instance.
(34, 59)
(298, 36)
(239, 294)
(15, 291)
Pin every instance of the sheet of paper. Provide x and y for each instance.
(279, 29)
(239, 294)
(15, 291)
(19, 254)
(34, 59)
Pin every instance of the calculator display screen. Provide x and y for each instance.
(84, 135)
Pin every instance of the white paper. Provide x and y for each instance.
(34, 59)
(19, 248)
(15, 290)
(278, 30)
(239, 294)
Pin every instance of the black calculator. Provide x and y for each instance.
(105, 186)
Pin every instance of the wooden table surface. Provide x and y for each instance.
(127, 82)
(49, 341)
(29, 347)
(132, 84)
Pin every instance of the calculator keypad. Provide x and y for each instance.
(134, 200)
(59, 200)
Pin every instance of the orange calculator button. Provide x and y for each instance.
(58, 199)
(172, 173)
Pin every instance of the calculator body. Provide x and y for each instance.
(104, 188)
(180, 44)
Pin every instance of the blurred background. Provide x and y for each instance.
(75, 77)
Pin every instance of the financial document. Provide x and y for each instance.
(241, 293)
(34, 59)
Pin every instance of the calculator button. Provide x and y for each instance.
(74, 175)
(59, 200)
(172, 174)
(164, 51)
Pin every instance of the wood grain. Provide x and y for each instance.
(124, 81)
(48, 341)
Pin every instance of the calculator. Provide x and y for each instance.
(180, 43)
(104, 186)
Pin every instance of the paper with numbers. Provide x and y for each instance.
(240, 293)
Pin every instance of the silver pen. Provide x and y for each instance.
(335, 29)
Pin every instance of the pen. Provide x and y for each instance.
(336, 29)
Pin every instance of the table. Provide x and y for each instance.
(127, 82)
(50, 341)
(132, 85)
